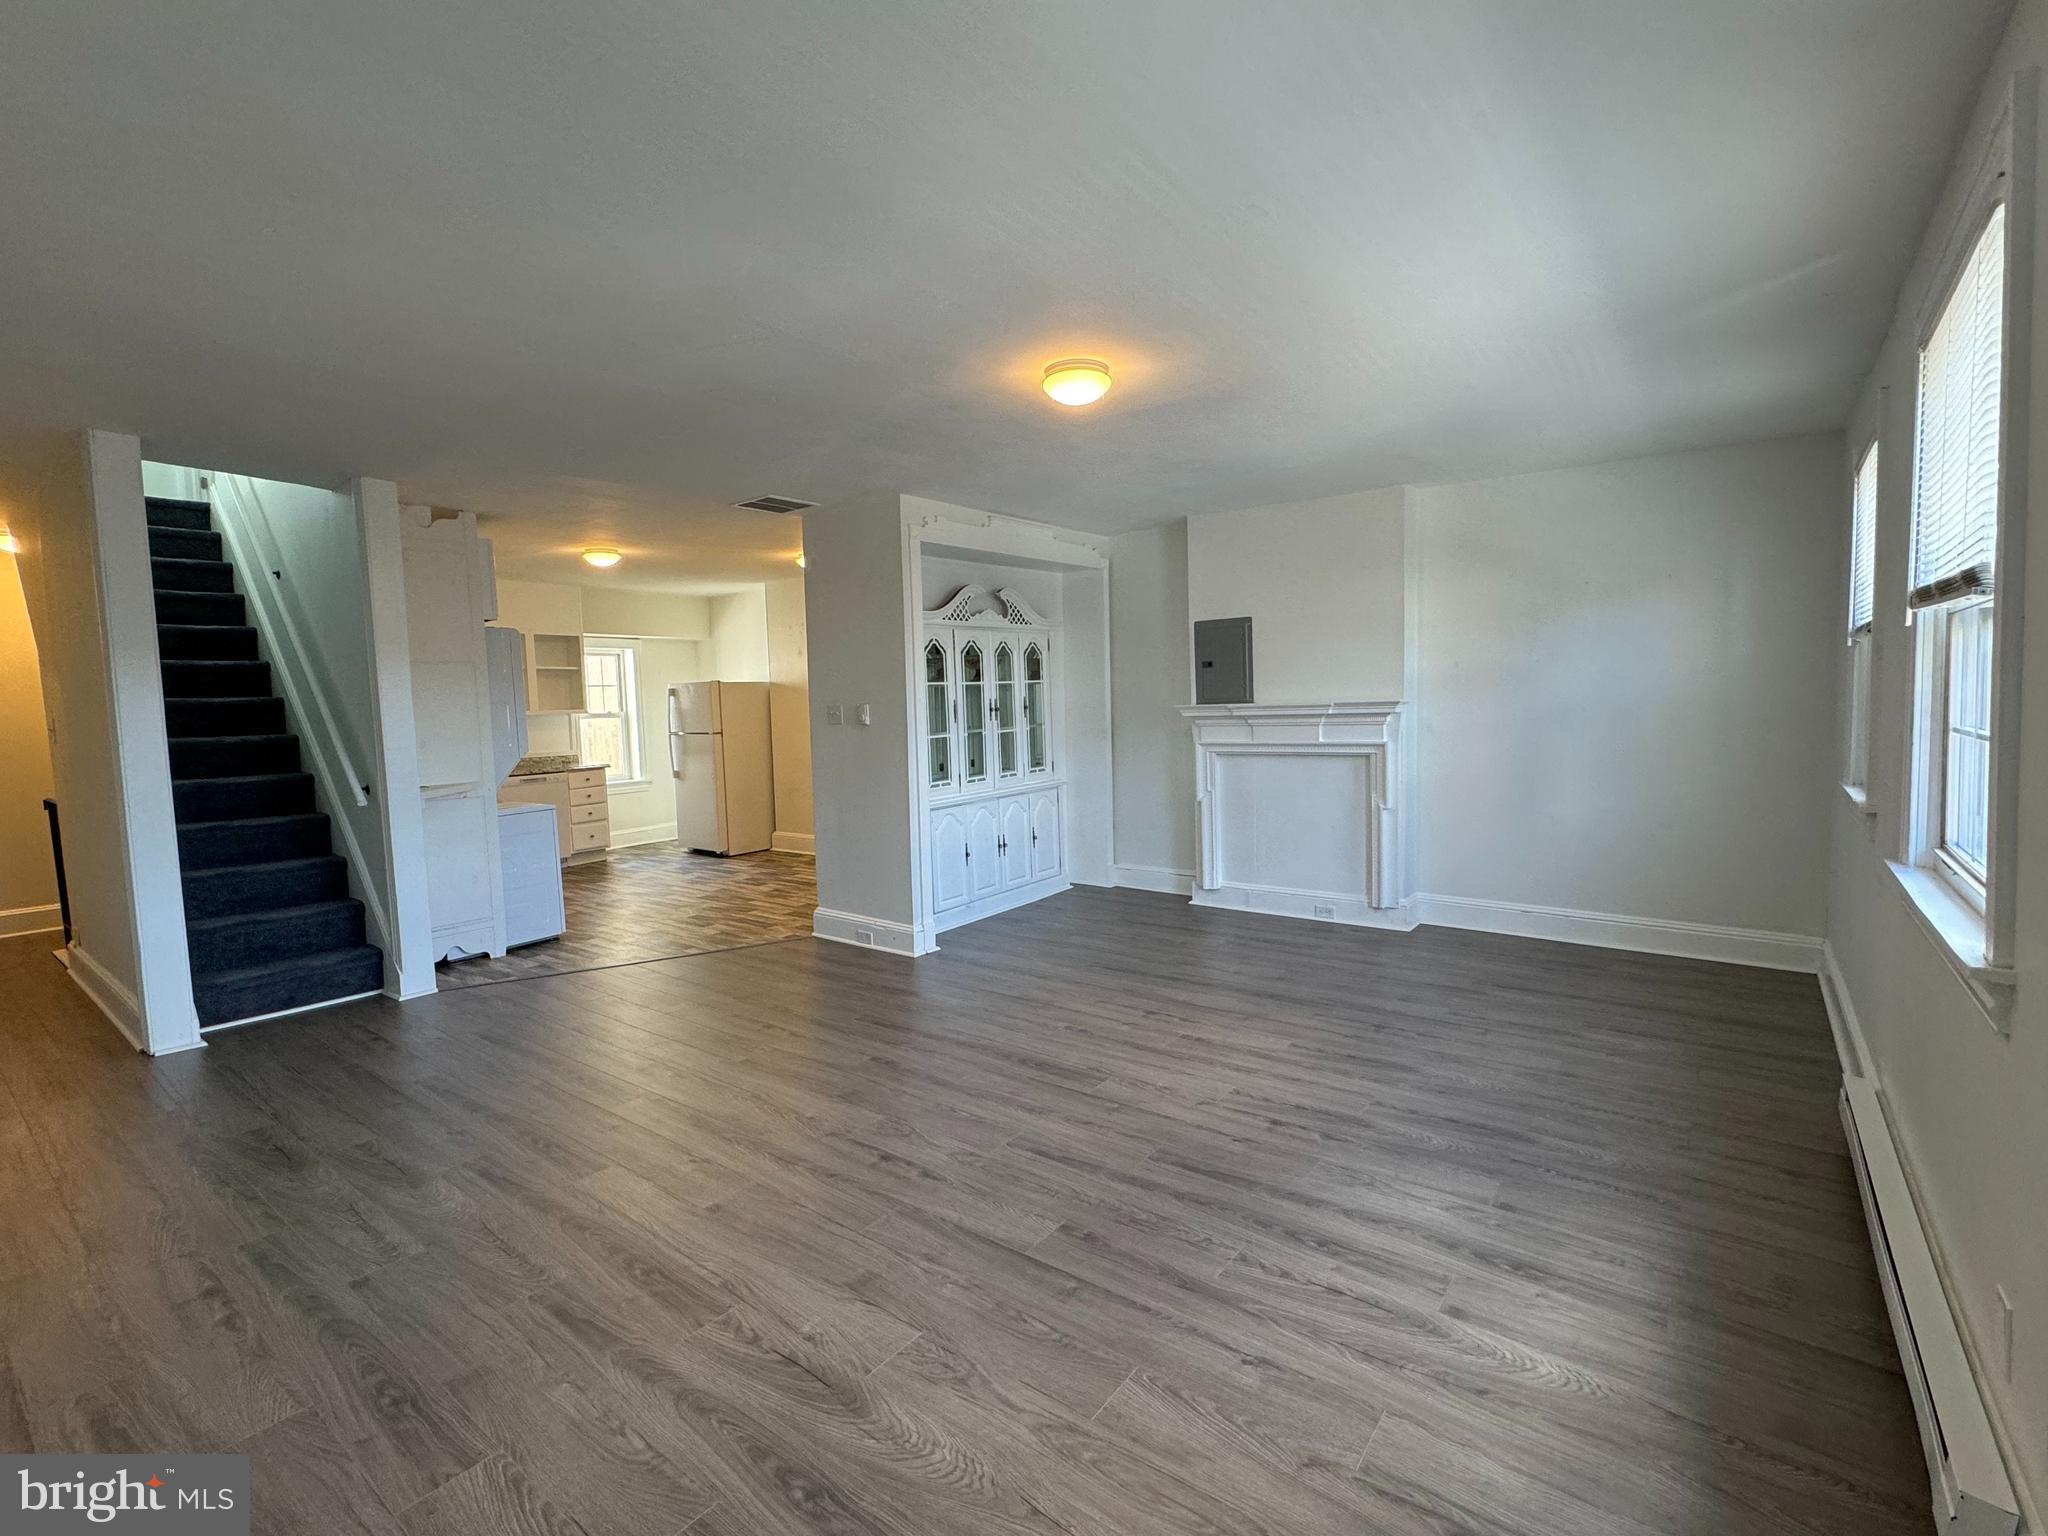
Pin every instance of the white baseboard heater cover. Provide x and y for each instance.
(1972, 1494)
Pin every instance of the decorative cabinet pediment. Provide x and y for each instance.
(976, 604)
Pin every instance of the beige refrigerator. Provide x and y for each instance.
(719, 753)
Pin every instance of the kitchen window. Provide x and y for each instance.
(608, 730)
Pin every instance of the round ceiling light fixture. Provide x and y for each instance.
(603, 559)
(1077, 380)
(799, 562)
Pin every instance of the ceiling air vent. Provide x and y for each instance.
(775, 504)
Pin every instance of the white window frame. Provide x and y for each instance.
(628, 714)
(1972, 919)
(1861, 642)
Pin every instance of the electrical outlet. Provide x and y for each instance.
(864, 935)
(2005, 1330)
(835, 714)
(1322, 911)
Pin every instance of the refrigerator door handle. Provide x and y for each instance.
(675, 766)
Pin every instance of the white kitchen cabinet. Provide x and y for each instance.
(532, 874)
(994, 852)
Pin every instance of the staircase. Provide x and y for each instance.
(268, 917)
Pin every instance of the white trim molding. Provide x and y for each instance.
(803, 844)
(634, 837)
(1150, 877)
(107, 993)
(16, 921)
(870, 933)
(1368, 731)
(1611, 930)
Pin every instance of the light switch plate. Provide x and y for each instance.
(867, 716)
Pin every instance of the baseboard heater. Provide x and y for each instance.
(1972, 1494)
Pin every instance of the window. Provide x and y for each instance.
(1954, 558)
(1862, 608)
(608, 730)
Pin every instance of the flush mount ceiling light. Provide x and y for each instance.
(9, 545)
(1077, 380)
(603, 559)
(799, 562)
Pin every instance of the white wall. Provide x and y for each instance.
(1153, 674)
(75, 501)
(789, 714)
(28, 882)
(645, 812)
(855, 591)
(1969, 1106)
(1626, 686)
(1321, 583)
(738, 647)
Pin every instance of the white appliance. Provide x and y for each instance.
(505, 663)
(718, 750)
(531, 873)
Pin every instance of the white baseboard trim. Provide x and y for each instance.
(107, 993)
(867, 932)
(16, 921)
(1608, 930)
(635, 836)
(1150, 877)
(1317, 906)
(1850, 1045)
(1009, 901)
(804, 843)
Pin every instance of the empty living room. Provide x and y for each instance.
(919, 767)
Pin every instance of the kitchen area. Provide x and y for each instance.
(650, 753)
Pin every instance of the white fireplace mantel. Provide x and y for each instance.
(1303, 809)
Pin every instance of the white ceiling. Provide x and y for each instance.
(599, 268)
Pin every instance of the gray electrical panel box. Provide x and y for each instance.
(1223, 661)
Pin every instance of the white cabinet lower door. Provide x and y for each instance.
(1045, 839)
(984, 855)
(948, 853)
(1014, 839)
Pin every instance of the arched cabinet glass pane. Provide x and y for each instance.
(973, 714)
(1037, 719)
(938, 717)
(1006, 710)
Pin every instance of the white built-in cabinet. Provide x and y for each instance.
(989, 732)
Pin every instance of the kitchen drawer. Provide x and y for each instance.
(587, 778)
(579, 795)
(583, 815)
(592, 834)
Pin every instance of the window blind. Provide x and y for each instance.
(1955, 482)
(1863, 544)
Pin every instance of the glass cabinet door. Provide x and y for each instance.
(938, 716)
(973, 714)
(1006, 710)
(1037, 719)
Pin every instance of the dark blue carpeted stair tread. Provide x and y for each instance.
(176, 512)
(224, 717)
(245, 888)
(184, 544)
(206, 642)
(217, 757)
(239, 797)
(251, 840)
(180, 575)
(237, 940)
(216, 679)
(249, 992)
(201, 608)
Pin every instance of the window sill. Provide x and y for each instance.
(1959, 933)
(1860, 798)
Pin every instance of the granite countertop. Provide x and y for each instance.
(534, 766)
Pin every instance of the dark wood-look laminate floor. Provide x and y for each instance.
(1116, 1216)
(657, 901)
